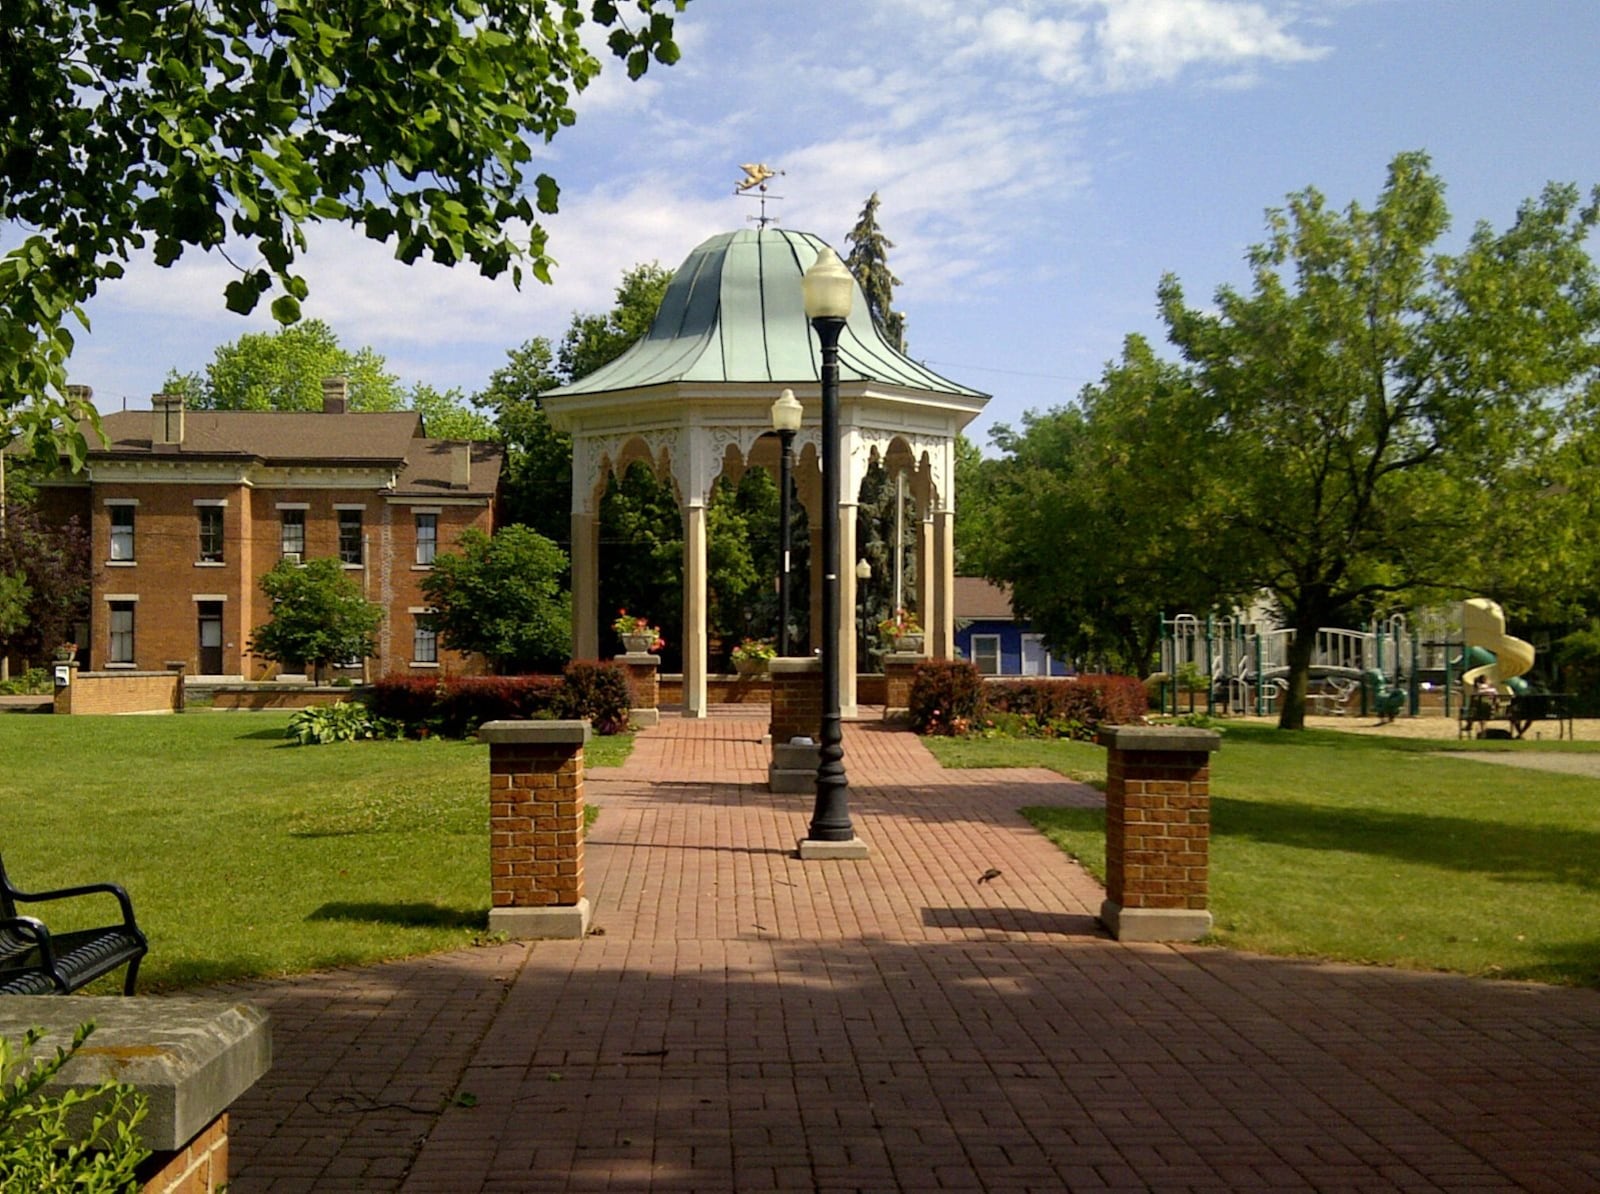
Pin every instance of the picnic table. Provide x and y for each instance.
(1519, 712)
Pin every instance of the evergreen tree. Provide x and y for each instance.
(868, 260)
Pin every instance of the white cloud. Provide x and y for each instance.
(1152, 41)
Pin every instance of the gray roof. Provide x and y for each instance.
(391, 439)
(733, 313)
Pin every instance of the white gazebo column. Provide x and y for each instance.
(943, 629)
(585, 585)
(847, 609)
(694, 609)
(925, 577)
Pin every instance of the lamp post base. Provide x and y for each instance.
(812, 850)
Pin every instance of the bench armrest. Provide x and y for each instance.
(33, 932)
(87, 889)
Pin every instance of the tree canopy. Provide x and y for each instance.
(51, 561)
(1373, 423)
(283, 370)
(502, 596)
(318, 616)
(231, 125)
(868, 260)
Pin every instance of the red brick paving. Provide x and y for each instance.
(750, 1022)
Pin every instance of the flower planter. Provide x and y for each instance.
(638, 644)
(908, 643)
(750, 667)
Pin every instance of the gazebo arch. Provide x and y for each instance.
(697, 389)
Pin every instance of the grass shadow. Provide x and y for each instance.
(413, 915)
(1538, 854)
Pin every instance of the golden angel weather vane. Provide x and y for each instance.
(755, 178)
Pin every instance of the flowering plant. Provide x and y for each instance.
(901, 623)
(755, 649)
(627, 624)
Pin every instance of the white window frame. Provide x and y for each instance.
(122, 535)
(1044, 655)
(124, 636)
(203, 510)
(427, 546)
(975, 645)
(285, 523)
(342, 515)
(424, 638)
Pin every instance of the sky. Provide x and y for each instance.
(1040, 165)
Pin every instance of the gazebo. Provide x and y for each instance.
(692, 400)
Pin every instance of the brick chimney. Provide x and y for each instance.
(166, 432)
(460, 466)
(335, 396)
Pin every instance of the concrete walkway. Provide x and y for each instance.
(744, 1021)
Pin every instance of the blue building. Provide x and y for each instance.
(993, 637)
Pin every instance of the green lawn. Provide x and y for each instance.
(248, 856)
(1373, 850)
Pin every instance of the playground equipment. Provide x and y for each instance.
(1243, 666)
(1498, 657)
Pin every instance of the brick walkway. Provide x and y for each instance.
(746, 1021)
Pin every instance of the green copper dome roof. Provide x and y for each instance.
(733, 313)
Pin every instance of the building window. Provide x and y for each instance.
(294, 533)
(427, 537)
(121, 632)
(350, 536)
(210, 533)
(122, 532)
(986, 653)
(1035, 659)
(424, 641)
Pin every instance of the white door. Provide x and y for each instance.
(1035, 659)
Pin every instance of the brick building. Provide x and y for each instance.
(189, 509)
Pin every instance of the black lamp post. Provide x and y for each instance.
(828, 289)
(786, 412)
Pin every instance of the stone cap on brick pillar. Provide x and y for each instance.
(534, 733)
(190, 1058)
(794, 665)
(1178, 739)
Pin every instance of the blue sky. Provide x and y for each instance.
(1041, 163)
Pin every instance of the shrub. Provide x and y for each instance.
(410, 700)
(36, 681)
(1074, 708)
(465, 702)
(946, 696)
(457, 705)
(601, 692)
(39, 1153)
(345, 721)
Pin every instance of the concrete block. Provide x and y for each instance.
(644, 719)
(1155, 924)
(815, 851)
(534, 733)
(551, 922)
(190, 1058)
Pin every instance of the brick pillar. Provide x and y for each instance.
(643, 674)
(66, 679)
(898, 669)
(796, 713)
(536, 827)
(1158, 832)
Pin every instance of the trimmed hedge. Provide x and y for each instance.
(1074, 708)
(455, 706)
(946, 696)
(950, 697)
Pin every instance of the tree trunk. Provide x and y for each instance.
(1293, 714)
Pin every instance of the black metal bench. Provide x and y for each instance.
(35, 961)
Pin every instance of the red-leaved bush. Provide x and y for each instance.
(1077, 707)
(455, 706)
(946, 696)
